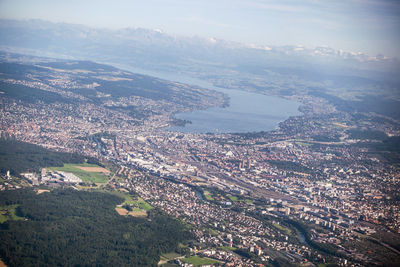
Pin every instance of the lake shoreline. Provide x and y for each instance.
(246, 111)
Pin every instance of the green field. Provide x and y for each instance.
(248, 201)
(233, 198)
(128, 198)
(137, 202)
(140, 203)
(208, 196)
(212, 232)
(228, 248)
(198, 261)
(240, 199)
(92, 177)
(303, 144)
(282, 228)
(7, 213)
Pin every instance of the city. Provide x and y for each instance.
(328, 170)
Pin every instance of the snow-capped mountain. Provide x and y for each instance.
(154, 48)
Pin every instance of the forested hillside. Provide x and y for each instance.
(77, 228)
(17, 157)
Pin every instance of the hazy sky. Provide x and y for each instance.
(370, 26)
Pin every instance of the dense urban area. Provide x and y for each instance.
(323, 188)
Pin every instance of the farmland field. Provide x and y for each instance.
(94, 169)
(134, 201)
(87, 175)
(132, 205)
(134, 212)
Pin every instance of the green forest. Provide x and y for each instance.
(17, 157)
(78, 228)
(30, 94)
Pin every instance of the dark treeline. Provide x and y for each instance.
(77, 228)
(391, 144)
(17, 157)
(388, 149)
(29, 94)
(367, 134)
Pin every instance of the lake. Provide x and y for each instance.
(247, 112)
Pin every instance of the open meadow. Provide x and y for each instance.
(87, 172)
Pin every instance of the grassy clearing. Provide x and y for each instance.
(137, 203)
(198, 261)
(166, 257)
(241, 199)
(7, 213)
(140, 203)
(233, 198)
(134, 213)
(303, 144)
(248, 201)
(138, 213)
(92, 177)
(169, 256)
(208, 196)
(283, 228)
(213, 232)
(228, 248)
(129, 199)
(138, 206)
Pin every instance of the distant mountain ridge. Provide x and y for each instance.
(148, 48)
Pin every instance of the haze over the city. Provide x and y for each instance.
(200, 133)
(371, 27)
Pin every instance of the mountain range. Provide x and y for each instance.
(154, 49)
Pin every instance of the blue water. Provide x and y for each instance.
(247, 112)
